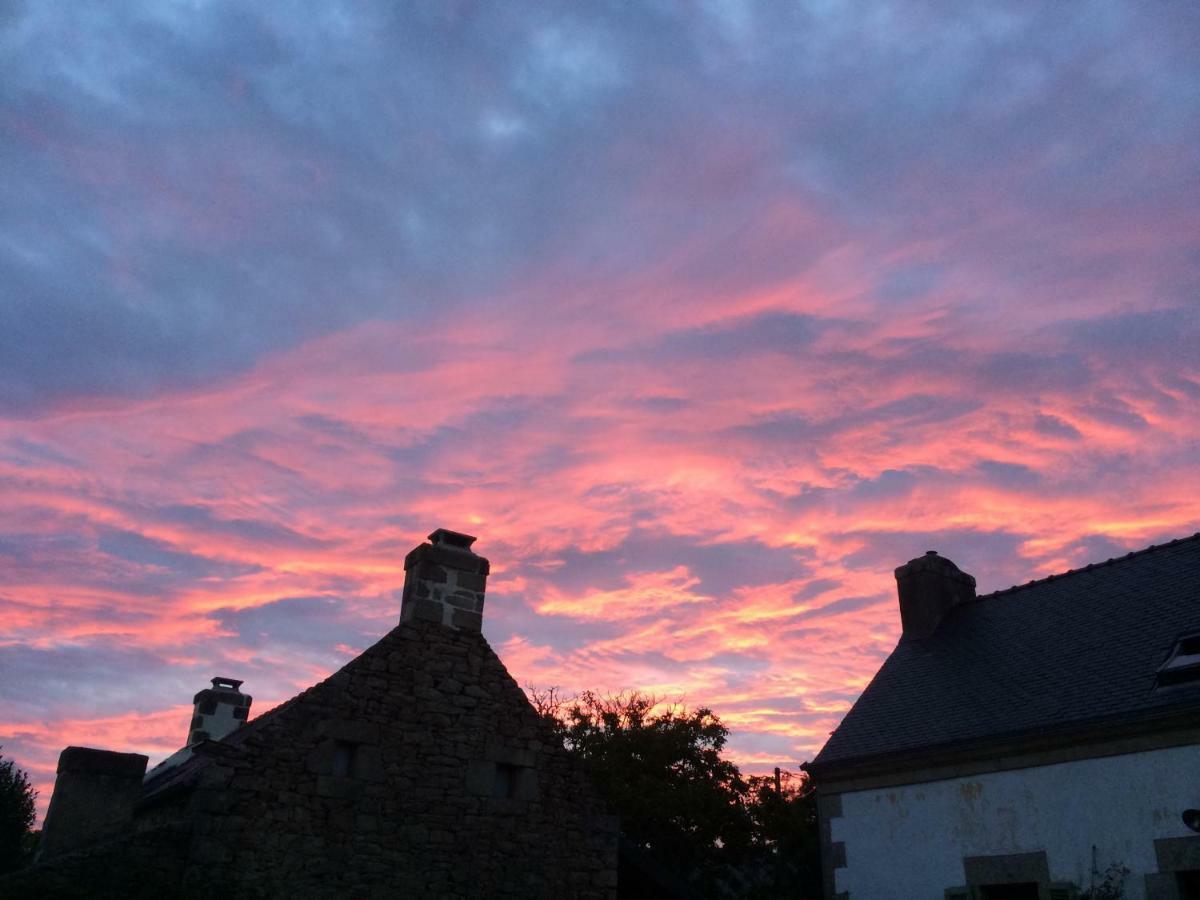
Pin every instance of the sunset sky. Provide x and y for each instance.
(703, 316)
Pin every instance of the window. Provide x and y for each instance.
(1024, 891)
(1184, 662)
(505, 785)
(344, 754)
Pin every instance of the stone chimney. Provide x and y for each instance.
(444, 582)
(929, 586)
(219, 710)
(93, 798)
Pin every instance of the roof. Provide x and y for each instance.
(180, 779)
(1052, 656)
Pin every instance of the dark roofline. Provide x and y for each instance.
(1009, 744)
(1089, 567)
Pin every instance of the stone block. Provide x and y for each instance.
(467, 621)
(481, 775)
(467, 600)
(472, 581)
(339, 788)
(428, 571)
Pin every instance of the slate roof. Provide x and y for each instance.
(1052, 656)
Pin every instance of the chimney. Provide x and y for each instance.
(444, 582)
(219, 710)
(93, 798)
(929, 586)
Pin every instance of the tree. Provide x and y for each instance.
(16, 815)
(784, 813)
(661, 770)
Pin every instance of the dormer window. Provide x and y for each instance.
(1184, 662)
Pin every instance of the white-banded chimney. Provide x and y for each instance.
(444, 581)
(219, 710)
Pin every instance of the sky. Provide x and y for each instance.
(702, 316)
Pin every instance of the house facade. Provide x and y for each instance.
(419, 769)
(1028, 744)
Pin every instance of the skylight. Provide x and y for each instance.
(1184, 662)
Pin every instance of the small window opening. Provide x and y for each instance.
(1184, 662)
(505, 785)
(344, 754)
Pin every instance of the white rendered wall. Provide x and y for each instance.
(908, 842)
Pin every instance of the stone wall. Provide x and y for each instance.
(419, 770)
(147, 865)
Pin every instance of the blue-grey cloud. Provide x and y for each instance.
(192, 188)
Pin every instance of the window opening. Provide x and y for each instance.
(505, 785)
(1184, 662)
(344, 753)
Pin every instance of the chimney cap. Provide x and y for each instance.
(932, 561)
(226, 683)
(452, 538)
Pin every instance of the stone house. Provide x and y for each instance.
(418, 770)
(1016, 745)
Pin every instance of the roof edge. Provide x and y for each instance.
(1085, 731)
(1090, 566)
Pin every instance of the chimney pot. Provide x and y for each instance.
(929, 586)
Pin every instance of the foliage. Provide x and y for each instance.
(16, 815)
(661, 769)
(663, 772)
(1112, 887)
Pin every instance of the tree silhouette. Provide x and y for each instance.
(661, 770)
(16, 815)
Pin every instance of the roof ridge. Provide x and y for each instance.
(1091, 566)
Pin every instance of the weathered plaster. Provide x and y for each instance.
(911, 841)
